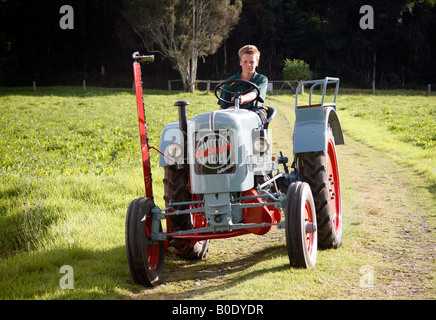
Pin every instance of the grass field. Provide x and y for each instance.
(399, 123)
(70, 164)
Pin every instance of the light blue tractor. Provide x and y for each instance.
(222, 180)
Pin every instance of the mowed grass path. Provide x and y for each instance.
(70, 164)
(400, 123)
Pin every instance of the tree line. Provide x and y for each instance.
(400, 50)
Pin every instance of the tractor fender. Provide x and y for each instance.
(310, 130)
(333, 122)
(170, 134)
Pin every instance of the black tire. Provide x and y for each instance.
(320, 170)
(300, 226)
(146, 259)
(176, 186)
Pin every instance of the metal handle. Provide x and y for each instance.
(144, 59)
(321, 82)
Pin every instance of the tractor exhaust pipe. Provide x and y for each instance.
(183, 126)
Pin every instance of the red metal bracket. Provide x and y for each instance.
(143, 131)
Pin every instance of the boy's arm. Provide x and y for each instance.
(263, 85)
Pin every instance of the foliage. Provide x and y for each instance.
(324, 34)
(183, 31)
(296, 70)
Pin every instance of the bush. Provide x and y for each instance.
(296, 70)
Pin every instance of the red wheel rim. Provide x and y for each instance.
(153, 251)
(334, 187)
(308, 218)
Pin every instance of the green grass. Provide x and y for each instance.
(400, 123)
(70, 164)
(404, 126)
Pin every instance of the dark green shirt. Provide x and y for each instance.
(259, 79)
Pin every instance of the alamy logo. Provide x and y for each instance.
(367, 20)
(67, 281)
(67, 20)
(367, 279)
(214, 150)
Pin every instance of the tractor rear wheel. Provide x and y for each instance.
(300, 227)
(145, 257)
(176, 185)
(320, 170)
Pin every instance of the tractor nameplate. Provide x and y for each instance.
(214, 152)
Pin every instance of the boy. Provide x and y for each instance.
(249, 57)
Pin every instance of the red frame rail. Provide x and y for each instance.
(143, 131)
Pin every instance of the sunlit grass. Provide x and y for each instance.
(400, 123)
(70, 164)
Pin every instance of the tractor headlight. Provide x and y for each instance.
(175, 150)
(261, 145)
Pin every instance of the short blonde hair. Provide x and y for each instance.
(249, 49)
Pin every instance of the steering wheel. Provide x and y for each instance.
(236, 94)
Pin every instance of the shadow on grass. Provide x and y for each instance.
(432, 189)
(37, 275)
(217, 276)
(23, 226)
(105, 274)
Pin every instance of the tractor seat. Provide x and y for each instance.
(270, 113)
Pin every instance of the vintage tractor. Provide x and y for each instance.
(222, 180)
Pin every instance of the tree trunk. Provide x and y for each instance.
(225, 57)
(185, 74)
(194, 51)
(373, 71)
(193, 73)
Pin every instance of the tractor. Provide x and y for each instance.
(222, 180)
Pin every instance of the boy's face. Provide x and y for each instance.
(249, 63)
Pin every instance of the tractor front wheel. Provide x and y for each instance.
(300, 227)
(145, 256)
